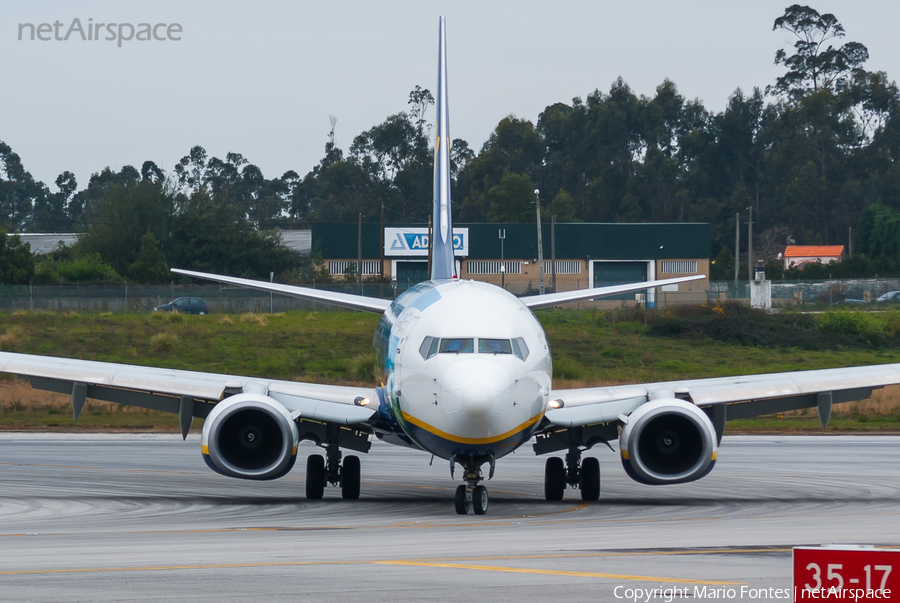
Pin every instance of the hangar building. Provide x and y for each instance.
(585, 254)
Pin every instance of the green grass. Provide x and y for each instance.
(590, 348)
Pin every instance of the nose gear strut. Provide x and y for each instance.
(471, 494)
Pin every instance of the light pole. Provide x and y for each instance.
(540, 245)
(501, 234)
(750, 245)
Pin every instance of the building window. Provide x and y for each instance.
(491, 267)
(563, 267)
(339, 267)
(678, 267)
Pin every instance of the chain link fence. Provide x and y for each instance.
(143, 298)
(844, 292)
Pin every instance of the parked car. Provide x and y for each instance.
(890, 296)
(185, 305)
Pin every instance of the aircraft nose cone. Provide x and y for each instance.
(476, 388)
(476, 399)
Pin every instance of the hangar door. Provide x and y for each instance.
(410, 272)
(620, 273)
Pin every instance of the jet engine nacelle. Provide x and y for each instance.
(668, 441)
(250, 436)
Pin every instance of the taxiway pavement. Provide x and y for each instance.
(141, 518)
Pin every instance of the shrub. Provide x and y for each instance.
(87, 268)
(853, 324)
(163, 342)
(735, 323)
(12, 338)
(254, 319)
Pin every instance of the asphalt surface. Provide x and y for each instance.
(141, 518)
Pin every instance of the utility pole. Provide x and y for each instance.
(381, 262)
(501, 234)
(540, 245)
(553, 253)
(737, 250)
(429, 244)
(750, 245)
(359, 254)
(850, 253)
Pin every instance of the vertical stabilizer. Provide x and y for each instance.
(443, 265)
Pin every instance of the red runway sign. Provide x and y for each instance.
(846, 573)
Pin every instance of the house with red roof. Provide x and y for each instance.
(795, 256)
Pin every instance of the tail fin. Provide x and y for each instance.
(443, 264)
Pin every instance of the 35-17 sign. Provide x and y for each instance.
(846, 573)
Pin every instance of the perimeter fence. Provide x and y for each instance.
(221, 298)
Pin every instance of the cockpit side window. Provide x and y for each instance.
(494, 346)
(519, 348)
(457, 346)
(429, 347)
(426, 345)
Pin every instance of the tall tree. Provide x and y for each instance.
(815, 66)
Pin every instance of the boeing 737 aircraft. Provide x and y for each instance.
(464, 373)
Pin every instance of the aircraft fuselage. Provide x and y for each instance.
(465, 368)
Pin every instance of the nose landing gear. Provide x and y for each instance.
(471, 494)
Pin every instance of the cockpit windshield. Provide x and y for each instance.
(457, 346)
(494, 346)
(431, 346)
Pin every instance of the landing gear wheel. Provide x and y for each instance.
(590, 479)
(460, 500)
(554, 479)
(350, 478)
(315, 477)
(480, 500)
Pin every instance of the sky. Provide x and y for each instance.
(263, 78)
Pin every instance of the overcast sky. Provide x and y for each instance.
(262, 78)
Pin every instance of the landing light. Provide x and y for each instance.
(554, 404)
(360, 401)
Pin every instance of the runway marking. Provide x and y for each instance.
(644, 553)
(546, 572)
(398, 562)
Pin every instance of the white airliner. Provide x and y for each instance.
(464, 373)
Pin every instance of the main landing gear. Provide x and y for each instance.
(584, 475)
(346, 474)
(471, 494)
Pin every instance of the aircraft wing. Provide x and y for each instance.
(536, 302)
(728, 398)
(187, 393)
(344, 300)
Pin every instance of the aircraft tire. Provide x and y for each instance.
(590, 479)
(462, 505)
(480, 500)
(315, 477)
(350, 475)
(554, 479)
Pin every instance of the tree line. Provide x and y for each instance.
(813, 153)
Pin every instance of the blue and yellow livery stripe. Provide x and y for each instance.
(471, 441)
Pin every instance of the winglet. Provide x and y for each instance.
(443, 264)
